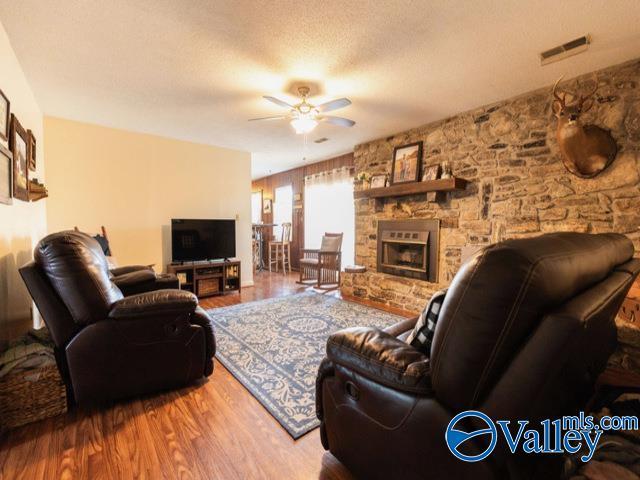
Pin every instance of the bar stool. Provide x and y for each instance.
(280, 251)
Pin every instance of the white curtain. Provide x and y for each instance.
(256, 207)
(282, 209)
(329, 207)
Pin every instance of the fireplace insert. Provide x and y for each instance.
(409, 248)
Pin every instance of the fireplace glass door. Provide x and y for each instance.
(408, 256)
(408, 248)
(405, 252)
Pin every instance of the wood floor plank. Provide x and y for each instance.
(214, 429)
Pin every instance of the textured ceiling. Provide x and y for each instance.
(196, 69)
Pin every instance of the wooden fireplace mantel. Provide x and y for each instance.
(414, 188)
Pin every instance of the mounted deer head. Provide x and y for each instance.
(586, 149)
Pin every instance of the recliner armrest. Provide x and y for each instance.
(402, 327)
(381, 358)
(134, 277)
(116, 272)
(159, 302)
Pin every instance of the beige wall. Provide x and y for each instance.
(133, 184)
(21, 224)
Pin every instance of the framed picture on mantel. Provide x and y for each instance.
(406, 163)
(378, 181)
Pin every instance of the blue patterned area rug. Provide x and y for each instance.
(274, 347)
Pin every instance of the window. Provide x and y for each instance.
(256, 207)
(328, 204)
(282, 208)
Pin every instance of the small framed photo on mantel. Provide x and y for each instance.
(431, 173)
(406, 163)
(378, 181)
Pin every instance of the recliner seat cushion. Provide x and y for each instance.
(498, 297)
(78, 271)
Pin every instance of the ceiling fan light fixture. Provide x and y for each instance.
(304, 116)
(304, 124)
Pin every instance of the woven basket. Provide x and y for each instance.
(31, 395)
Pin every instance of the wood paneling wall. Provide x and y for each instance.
(295, 178)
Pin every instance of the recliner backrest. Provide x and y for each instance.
(79, 273)
(55, 313)
(498, 298)
(555, 370)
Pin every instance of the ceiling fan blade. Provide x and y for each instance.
(334, 105)
(343, 122)
(273, 117)
(277, 101)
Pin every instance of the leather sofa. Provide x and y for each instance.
(525, 329)
(108, 345)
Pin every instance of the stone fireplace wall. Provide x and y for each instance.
(519, 186)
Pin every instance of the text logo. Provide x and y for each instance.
(577, 434)
(456, 437)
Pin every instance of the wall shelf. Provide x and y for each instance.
(37, 191)
(414, 188)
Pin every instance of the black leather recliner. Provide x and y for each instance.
(525, 329)
(108, 345)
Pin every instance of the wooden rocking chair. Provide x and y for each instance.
(321, 267)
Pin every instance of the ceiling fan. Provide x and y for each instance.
(304, 116)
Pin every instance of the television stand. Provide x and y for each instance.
(207, 279)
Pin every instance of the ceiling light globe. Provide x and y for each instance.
(303, 124)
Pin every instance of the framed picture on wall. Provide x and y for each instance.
(31, 151)
(6, 167)
(266, 205)
(406, 163)
(4, 117)
(19, 144)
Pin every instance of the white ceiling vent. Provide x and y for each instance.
(566, 50)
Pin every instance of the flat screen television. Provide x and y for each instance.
(200, 240)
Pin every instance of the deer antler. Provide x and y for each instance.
(584, 98)
(555, 93)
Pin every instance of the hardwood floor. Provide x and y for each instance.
(214, 430)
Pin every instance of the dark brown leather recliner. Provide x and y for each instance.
(134, 279)
(109, 346)
(525, 329)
